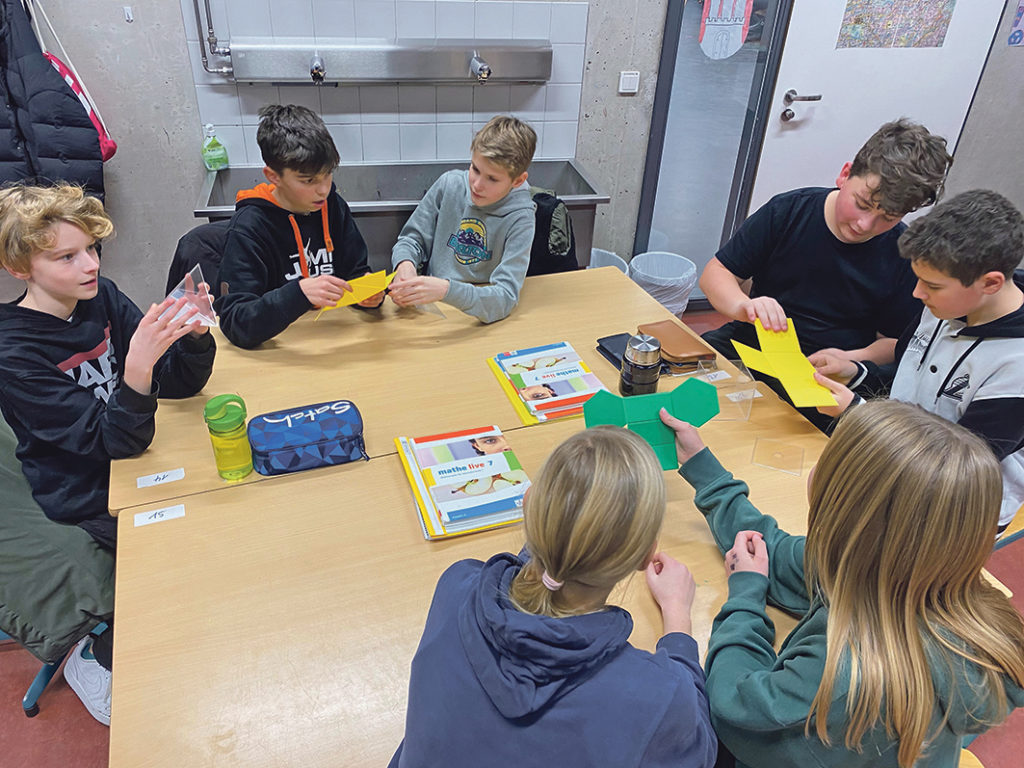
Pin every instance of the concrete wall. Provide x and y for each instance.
(612, 144)
(989, 154)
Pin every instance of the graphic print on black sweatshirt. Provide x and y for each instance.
(322, 263)
(96, 369)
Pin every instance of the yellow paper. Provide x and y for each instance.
(780, 356)
(755, 359)
(772, 342)
(363, 288)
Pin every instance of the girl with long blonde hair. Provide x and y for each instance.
(903, 648)
(524, 663)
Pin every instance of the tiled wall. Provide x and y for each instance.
(386, 123)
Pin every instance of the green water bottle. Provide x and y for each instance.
(215, 154)
(225, 418)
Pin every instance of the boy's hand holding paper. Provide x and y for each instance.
(780, 356)
(417, 291)
(363, 289)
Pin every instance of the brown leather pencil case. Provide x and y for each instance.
(678, 348)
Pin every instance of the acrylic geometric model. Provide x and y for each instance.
(193, 289)
(693, 401)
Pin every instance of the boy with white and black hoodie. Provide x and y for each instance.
(472, 228)
(964, 360)
(292, 243)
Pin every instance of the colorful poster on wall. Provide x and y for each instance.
(895, 23)
(1017, 33)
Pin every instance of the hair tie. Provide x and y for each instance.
(550, 583)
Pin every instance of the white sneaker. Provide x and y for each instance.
(89, 680)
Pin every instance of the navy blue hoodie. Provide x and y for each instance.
(259, 275)
(62, 393)
(491, 685)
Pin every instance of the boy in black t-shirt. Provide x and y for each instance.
(827, 258)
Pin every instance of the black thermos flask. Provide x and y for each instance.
(641, 365)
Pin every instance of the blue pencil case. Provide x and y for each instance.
(306, 437)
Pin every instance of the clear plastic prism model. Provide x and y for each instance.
(196, 293)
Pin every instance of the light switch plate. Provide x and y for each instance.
(629, 82)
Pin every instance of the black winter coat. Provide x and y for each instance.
(45, 132)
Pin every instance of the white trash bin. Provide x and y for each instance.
(602, 258)
(667, 277)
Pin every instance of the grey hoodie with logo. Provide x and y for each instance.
(483, 251)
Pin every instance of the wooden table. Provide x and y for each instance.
(409, 372)
(275, 622)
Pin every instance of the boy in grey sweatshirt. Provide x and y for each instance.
(468, 241)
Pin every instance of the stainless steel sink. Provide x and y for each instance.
(382, 197)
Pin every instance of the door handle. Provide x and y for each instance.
(791, 95)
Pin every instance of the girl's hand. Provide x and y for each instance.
(688, 442)
(748, 553)
(673, 588)
(203, 297)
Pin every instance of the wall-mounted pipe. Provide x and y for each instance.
(211, 40)
(264, 59)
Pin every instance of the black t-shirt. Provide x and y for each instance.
(838, 294)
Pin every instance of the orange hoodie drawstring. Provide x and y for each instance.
(302, 249)
(328, 243)
(266, 192)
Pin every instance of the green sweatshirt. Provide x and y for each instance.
(760, 700)
(448, 236)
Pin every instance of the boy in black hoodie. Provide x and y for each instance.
(80, 366)
(80, 371)
(280, 258)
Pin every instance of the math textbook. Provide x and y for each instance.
(544, 383)
(463, 481)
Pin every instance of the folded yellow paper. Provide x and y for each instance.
(362, 288)
(780, 356)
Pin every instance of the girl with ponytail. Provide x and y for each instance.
(522, 660)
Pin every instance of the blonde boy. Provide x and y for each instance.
(80, 365)
(468, 241)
